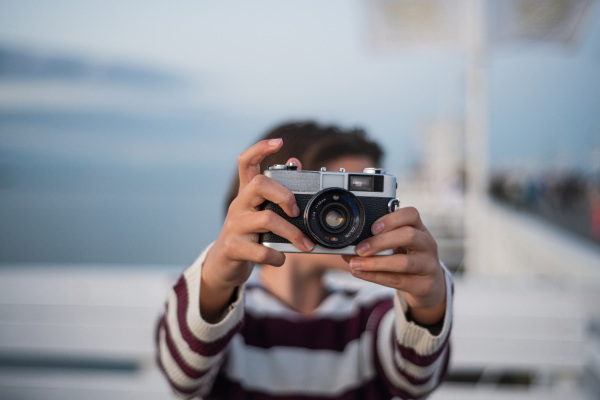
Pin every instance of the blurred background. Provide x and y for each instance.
(121, 122)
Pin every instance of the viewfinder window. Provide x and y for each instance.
(361, 183)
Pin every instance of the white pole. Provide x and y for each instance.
(476, 145)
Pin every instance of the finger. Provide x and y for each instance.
(409, 283)
(268, 221)
(295, 161)
(397, 263)
(261, 189)
(405, 237)
(403, 282)
(249, 161)
(255, 253)
(407, 216)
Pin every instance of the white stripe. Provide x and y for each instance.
(337, 306)
(261, 304)
(288, 371)
(384, 339)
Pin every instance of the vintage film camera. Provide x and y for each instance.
(337, 209)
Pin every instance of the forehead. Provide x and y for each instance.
(350, 163)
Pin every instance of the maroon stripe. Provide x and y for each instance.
(187, 369)
(228, 389)
(446, 364)
(189, 392)
(410, 378)
(207, 349)
(412, 356)
(161, 325)
(402, 371)
(392, 387)
(376, 322)
(308, 333)
(157, 342)
(403, 392)
(396, 390)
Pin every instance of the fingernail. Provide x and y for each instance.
(308, 244)
(377, 228)
(274, 142)
(356, 263)
(362, 248)
(295, 211)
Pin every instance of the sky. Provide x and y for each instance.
(129, 116)
(310, 59)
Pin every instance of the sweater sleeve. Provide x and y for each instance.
(190, 351)
(411, 360)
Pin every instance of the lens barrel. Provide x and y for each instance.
(334, 218)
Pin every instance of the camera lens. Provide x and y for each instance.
(334, 218)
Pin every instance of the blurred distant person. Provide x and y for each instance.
(286, 331)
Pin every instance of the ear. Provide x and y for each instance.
(295, 160)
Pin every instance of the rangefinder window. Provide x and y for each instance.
(361, 183)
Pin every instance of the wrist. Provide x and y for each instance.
(434, 328)
(215, 296)
(214, 272)
(214, 302)
(425, 315)
(431, 308)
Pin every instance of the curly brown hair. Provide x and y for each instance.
(315, 145)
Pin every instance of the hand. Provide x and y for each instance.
(230, 260)
(414, 268)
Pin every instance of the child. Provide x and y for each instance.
(231, 330)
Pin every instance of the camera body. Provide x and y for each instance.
(337, 209)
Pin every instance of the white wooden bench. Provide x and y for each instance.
(86, 332)
(81, 332)
(524, 338)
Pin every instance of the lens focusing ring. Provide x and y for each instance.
(341, 201)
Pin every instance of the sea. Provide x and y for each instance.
(91, 187)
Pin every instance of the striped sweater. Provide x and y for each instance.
(358, 344)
